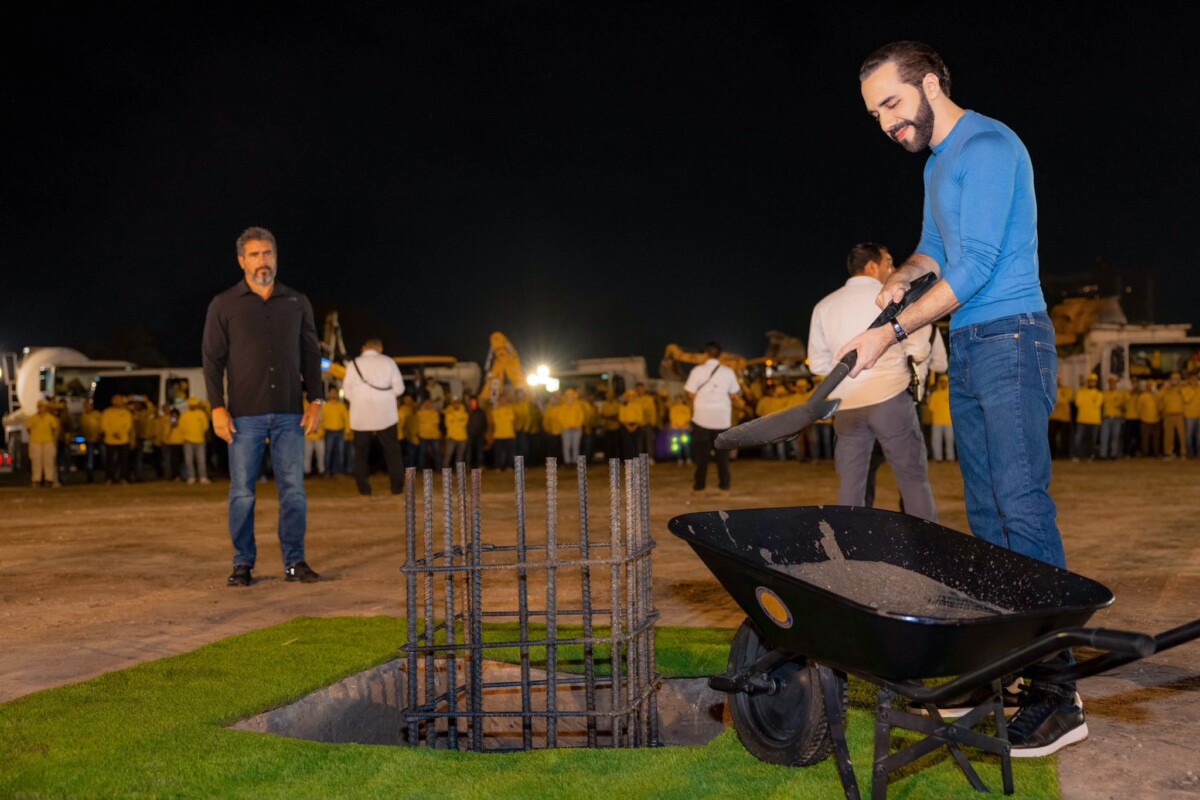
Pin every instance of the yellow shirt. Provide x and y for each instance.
(1089, 402)
(1114, 402)
(335, 415)
(939, 407)
(591, 416)
(428, 424)
(1191, 402)
(631, 413)
(522, 411)
(610, 414)
(43, 428)
(571, 415)
(649, 409)
(143, 423)
(89, 425)
(193, 426)
(680, 415)
(1131, 406)
(1062, 409)
(504, 422)
(552, 420)
(768, 405)
(404, 413)
(1172, 400)
(456, 423)
(117, 425)
(1147, 406)
(169, 434)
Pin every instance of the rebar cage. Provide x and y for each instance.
(601, 585)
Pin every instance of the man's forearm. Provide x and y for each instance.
(917, 265)
(937, 303)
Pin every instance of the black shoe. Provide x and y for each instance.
(300, 571)
(1046, 724)
(241, 576)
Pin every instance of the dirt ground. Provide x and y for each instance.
(97, 578)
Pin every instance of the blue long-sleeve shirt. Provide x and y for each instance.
(980, 221)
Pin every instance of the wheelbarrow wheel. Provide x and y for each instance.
(789, 726)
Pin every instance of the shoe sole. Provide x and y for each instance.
(1073, 736)
(955, 713)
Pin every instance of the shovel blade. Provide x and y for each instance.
(778, 427)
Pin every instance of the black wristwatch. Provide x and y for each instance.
(900, 334)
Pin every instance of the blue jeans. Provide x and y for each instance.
(1110, 437)
(1002, 388)
(335, 452)
(245, 463)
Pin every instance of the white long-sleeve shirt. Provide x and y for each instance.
(372, 394)
(840, 317)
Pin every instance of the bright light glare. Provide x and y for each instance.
(541, 377)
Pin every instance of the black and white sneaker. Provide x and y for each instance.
(1046, 724)
(300, 571)
(241, 576)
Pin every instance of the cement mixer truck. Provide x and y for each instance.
(67, 376)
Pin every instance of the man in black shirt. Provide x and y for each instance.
(260, 339)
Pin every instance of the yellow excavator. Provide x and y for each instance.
(333, 356)
(503, 361)
(671, 367)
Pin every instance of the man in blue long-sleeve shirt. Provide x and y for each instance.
(980, 235)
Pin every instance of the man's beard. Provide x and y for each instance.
(922, 127)
(264, 280)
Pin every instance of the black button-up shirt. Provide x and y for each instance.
(264, 347)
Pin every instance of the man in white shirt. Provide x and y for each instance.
(875, 405)
(372, 384)
(711, 387)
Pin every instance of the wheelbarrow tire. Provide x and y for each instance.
(789, 727)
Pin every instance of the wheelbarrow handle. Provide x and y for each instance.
(1121, 646)
(1127, 643)
(1116, 658)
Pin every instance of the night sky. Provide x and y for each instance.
(593, 179)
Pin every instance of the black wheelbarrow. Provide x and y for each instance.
(894, 600)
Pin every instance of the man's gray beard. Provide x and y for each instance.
(270, 279)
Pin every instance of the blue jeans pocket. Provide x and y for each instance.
(1047, 356)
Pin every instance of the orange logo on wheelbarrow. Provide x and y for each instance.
(773, 607)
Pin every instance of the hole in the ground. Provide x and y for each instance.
(368, 708)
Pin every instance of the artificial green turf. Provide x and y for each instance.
(159, 730)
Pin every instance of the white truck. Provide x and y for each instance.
(1131, 352)
(601, 375)
(68, 376)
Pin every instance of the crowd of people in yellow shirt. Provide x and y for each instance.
(122, 440)
(1149, 419)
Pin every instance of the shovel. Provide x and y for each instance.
(784, 425)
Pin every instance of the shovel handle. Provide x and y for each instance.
(835, 376)
(915, 291)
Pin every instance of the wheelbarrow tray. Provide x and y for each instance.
(748, 551)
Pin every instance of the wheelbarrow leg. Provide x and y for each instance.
(939, 733)
(831, 691)
(1002, 734)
